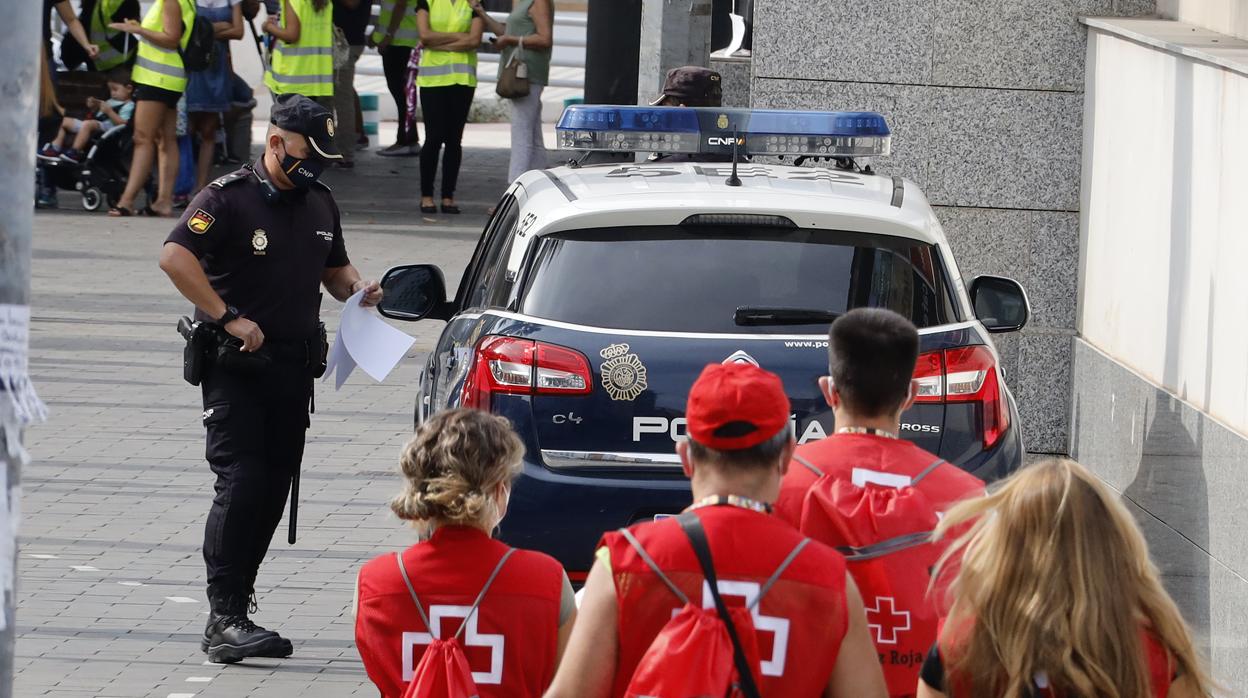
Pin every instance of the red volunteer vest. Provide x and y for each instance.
(799, 624)
(838, 455)
(510, 643)
(878, 503)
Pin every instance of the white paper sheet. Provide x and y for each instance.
(365, 340)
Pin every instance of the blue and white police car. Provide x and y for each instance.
(598, 292)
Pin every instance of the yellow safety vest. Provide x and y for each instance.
(443, 68)
(305, 67)
(162, 67)
(408, 34)
(100, 34)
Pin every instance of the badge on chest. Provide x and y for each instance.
(259, 241)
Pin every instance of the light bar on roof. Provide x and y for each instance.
(712, 130)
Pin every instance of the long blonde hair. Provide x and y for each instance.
(1054, 576)
(453, 465)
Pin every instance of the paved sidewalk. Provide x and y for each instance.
(111, 599)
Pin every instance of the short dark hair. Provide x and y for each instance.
(871, 357)
(762, 455)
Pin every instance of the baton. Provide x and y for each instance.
(294, 507)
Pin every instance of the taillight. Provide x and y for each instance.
(965, 374)
(522, 366)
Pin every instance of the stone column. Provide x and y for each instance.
(985, 100)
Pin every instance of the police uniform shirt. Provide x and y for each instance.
(265, 259)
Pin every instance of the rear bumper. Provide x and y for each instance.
(564, 514)
(1001, 460)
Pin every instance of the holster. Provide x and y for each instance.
(320, 353)
(195, 355)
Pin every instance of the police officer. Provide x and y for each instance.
(251, 252)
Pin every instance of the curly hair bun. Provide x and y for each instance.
(452, 465)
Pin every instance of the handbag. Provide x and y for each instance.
(513, 79)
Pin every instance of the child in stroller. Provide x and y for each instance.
(107, 115)
(95, 166)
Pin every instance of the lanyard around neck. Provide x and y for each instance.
(731, 500)
(866, 430)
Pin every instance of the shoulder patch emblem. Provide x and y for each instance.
(200, 221)
(623, 374)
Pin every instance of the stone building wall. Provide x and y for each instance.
(985, 100)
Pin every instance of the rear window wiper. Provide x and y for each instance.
(748, 315)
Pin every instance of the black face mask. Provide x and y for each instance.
(302, 173)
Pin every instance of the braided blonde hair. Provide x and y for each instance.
(454, 464)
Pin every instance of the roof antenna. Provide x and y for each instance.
(733, 180)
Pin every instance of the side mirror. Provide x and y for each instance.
(1000, 303)
(414, 292)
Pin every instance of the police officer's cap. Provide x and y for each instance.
(692, 86)
(301, 115)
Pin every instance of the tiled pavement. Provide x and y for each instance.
(110, 594)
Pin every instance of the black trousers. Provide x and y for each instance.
(394, 65)
(255, 433)
(446, 111)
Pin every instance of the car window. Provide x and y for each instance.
(693, 279)
(498, 238)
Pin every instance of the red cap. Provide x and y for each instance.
(735, 406)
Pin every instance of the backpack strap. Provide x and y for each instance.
(493, 575)
(411, 590)
(884, 547)
(775, 577)
(693, 529)
(926, 471)
(645, 557)
(809, 466)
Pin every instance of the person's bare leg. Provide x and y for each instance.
(66, 125)
(205, 125)
(148, 116)
(83, 139)
(168, 147)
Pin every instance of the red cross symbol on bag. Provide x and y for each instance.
(884, 618)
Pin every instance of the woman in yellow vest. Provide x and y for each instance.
(159, 80)
(395, 36)
(451, 35)
(303, 57)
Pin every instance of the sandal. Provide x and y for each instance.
(149, 211)
(120, 212)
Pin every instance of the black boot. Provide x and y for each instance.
(230, 636)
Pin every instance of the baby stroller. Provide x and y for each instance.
(101, 176)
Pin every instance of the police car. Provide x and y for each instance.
(598, 292)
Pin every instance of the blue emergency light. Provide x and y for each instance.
(712, 130)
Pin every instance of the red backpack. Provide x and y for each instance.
(697, 654)
(443, 671)
(884, 532)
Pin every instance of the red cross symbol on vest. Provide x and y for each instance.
(886, 620)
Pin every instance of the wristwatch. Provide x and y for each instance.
(231, 314)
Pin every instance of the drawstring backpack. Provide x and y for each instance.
(701, 653)
(890, 556)
(443, 671)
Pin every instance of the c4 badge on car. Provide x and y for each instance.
(623, 375)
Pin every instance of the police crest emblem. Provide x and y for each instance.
(259, 241)
(623, 374)
(200, 221)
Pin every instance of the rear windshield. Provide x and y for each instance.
(692, 279)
